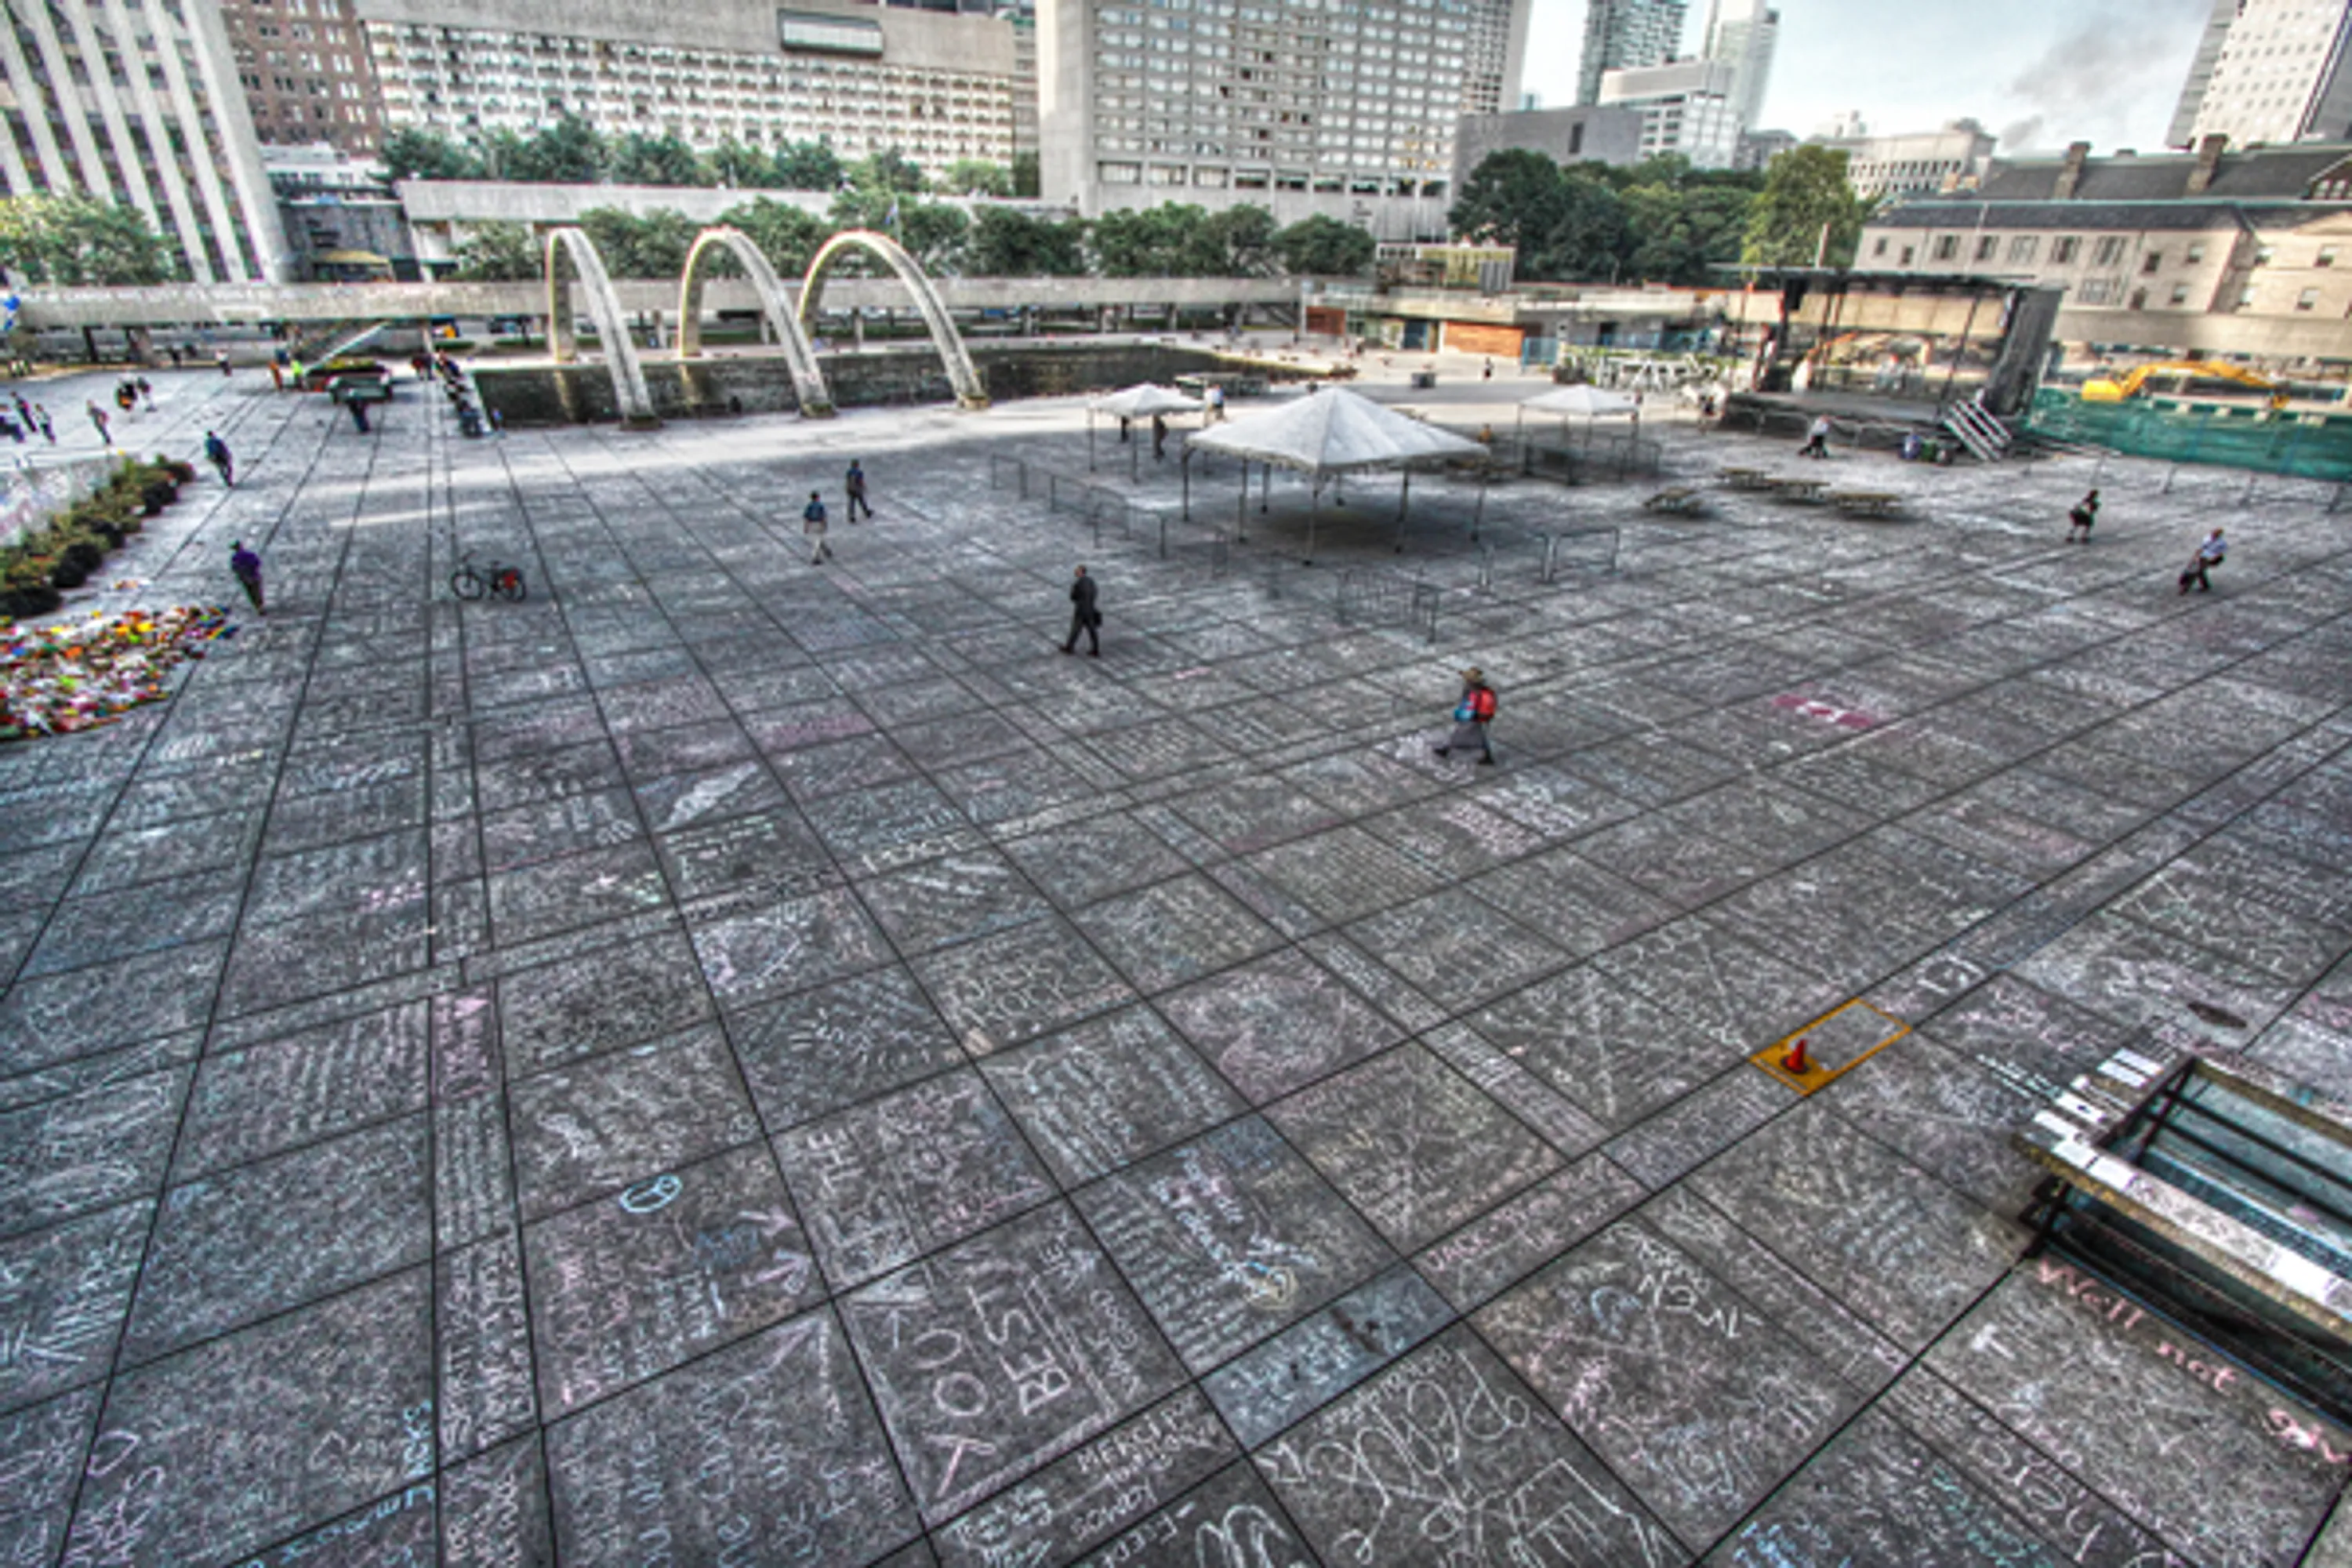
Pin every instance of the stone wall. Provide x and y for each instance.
(687, 389)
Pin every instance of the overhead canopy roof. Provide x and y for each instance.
(1589, 401)
(1143, 400)
(1332, 432)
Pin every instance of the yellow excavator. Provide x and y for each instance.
(2106, 389)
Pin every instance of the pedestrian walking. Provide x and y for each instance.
(247, 568)
(221, 359)
(358, 405)
(1817, 439)
(813, 525)
(1488, 373)
(41, 418)
(1472, 714)
(217, 453)
(98, 417)
(2209, 555)
(1216, 403)
(1124, 429)
(2079, 520)
(1084, 617)
(855, 483)
(175, 353)
(277, 376)
(1159, 437)
(146, 393)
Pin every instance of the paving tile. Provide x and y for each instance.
(897, 1178)
(1651, 1359)
(1616, 1053)
(1108, 1092)
(995, 1358)
(1174, 931)
(43, 1450)
(625, 1290)
(1455, 949)
(1114, 854)
(607, 1123)
(609, 996)
(790, 1459)
(1278, 1023)
(755, 944)
(1447, 1456)
(1229, 1238)
(950, 899)
(1020, 984)
(1231, 1515)
(1415, 1147)
(77, 1153)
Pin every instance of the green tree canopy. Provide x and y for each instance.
(1027, 180)
(653, 245)
(667, 159)
(1324, 247)
(1513, 197)
(567, 153)
(1176, 239)
(974, 177)
(808, 166)
(80, 240)
(1682, 236)
(1805, 210)
(888, 170)
(1006, 243)
(933, 231)
(500, 253)
(785, 235)
(413, 154)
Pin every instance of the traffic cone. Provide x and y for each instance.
(1796, 1061)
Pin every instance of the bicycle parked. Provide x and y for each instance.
(468, 583)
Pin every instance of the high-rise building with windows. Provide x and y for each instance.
(1626, 35)
(2269, 71)
(937, 86)
(304, 67)
(1686, 109)
(1742, 35)
(1346, 108)
(138, 101)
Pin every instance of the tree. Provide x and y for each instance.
(785, 235)
(1026, 180)
(1807, 210)
(1683, 235)
(1323, 247)
(1175, 239)
(1007, 243)
(500, 253)
(652, 245)
(426, 156)
(567, 153)
(808, 166)
(933, 232)
(79, 241)
(1588, 235)
(738, 167)
(1238, 242)
(665, 160)
(888, 170)
(1513, 197)
(974, 177)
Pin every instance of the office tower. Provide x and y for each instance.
(937, 86)
(1686, 108)
(1626, 35)
(1742, 34)
(304, 67)
(1350, 112)
(2271, 70)
(138, 101)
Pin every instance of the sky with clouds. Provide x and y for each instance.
(2037, 73)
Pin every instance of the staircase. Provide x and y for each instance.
(1978, 428)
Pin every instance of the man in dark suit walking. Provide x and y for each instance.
(1084, 617)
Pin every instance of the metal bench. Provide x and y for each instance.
(1679, 500)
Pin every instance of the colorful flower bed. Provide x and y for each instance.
(55, 680)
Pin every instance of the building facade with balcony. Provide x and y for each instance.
(1344, 109)
(2213, 252)
(935, 86)
(305, 70)
(138, 101)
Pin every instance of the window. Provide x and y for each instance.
(2196, 254)
(1948, 245)
(2110, 251)
(1987, 247)
(2327, 256)
(2022, 249)
(2180, 294)
(2307, 301)
(2245, 298)
(1880, 248)
(2094, 290)
(2154, 259)
(2063, 248)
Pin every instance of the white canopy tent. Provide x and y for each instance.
(1590, 402)
(1144, 400)
(1331, 434)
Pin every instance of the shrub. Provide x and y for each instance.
(34, 599)
(68, 575)
(87, 554)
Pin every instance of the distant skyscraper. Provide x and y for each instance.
(1686, 109)
(1626, 35)
(2271, 71)
(306, 73)
(1742, 34)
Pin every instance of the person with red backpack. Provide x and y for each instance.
(1472, 714)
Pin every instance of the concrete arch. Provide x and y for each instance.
(969, 389)
(637, 406)
(808, 380)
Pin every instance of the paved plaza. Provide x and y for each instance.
(731, 1061)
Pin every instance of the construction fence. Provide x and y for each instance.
(2305, 445)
